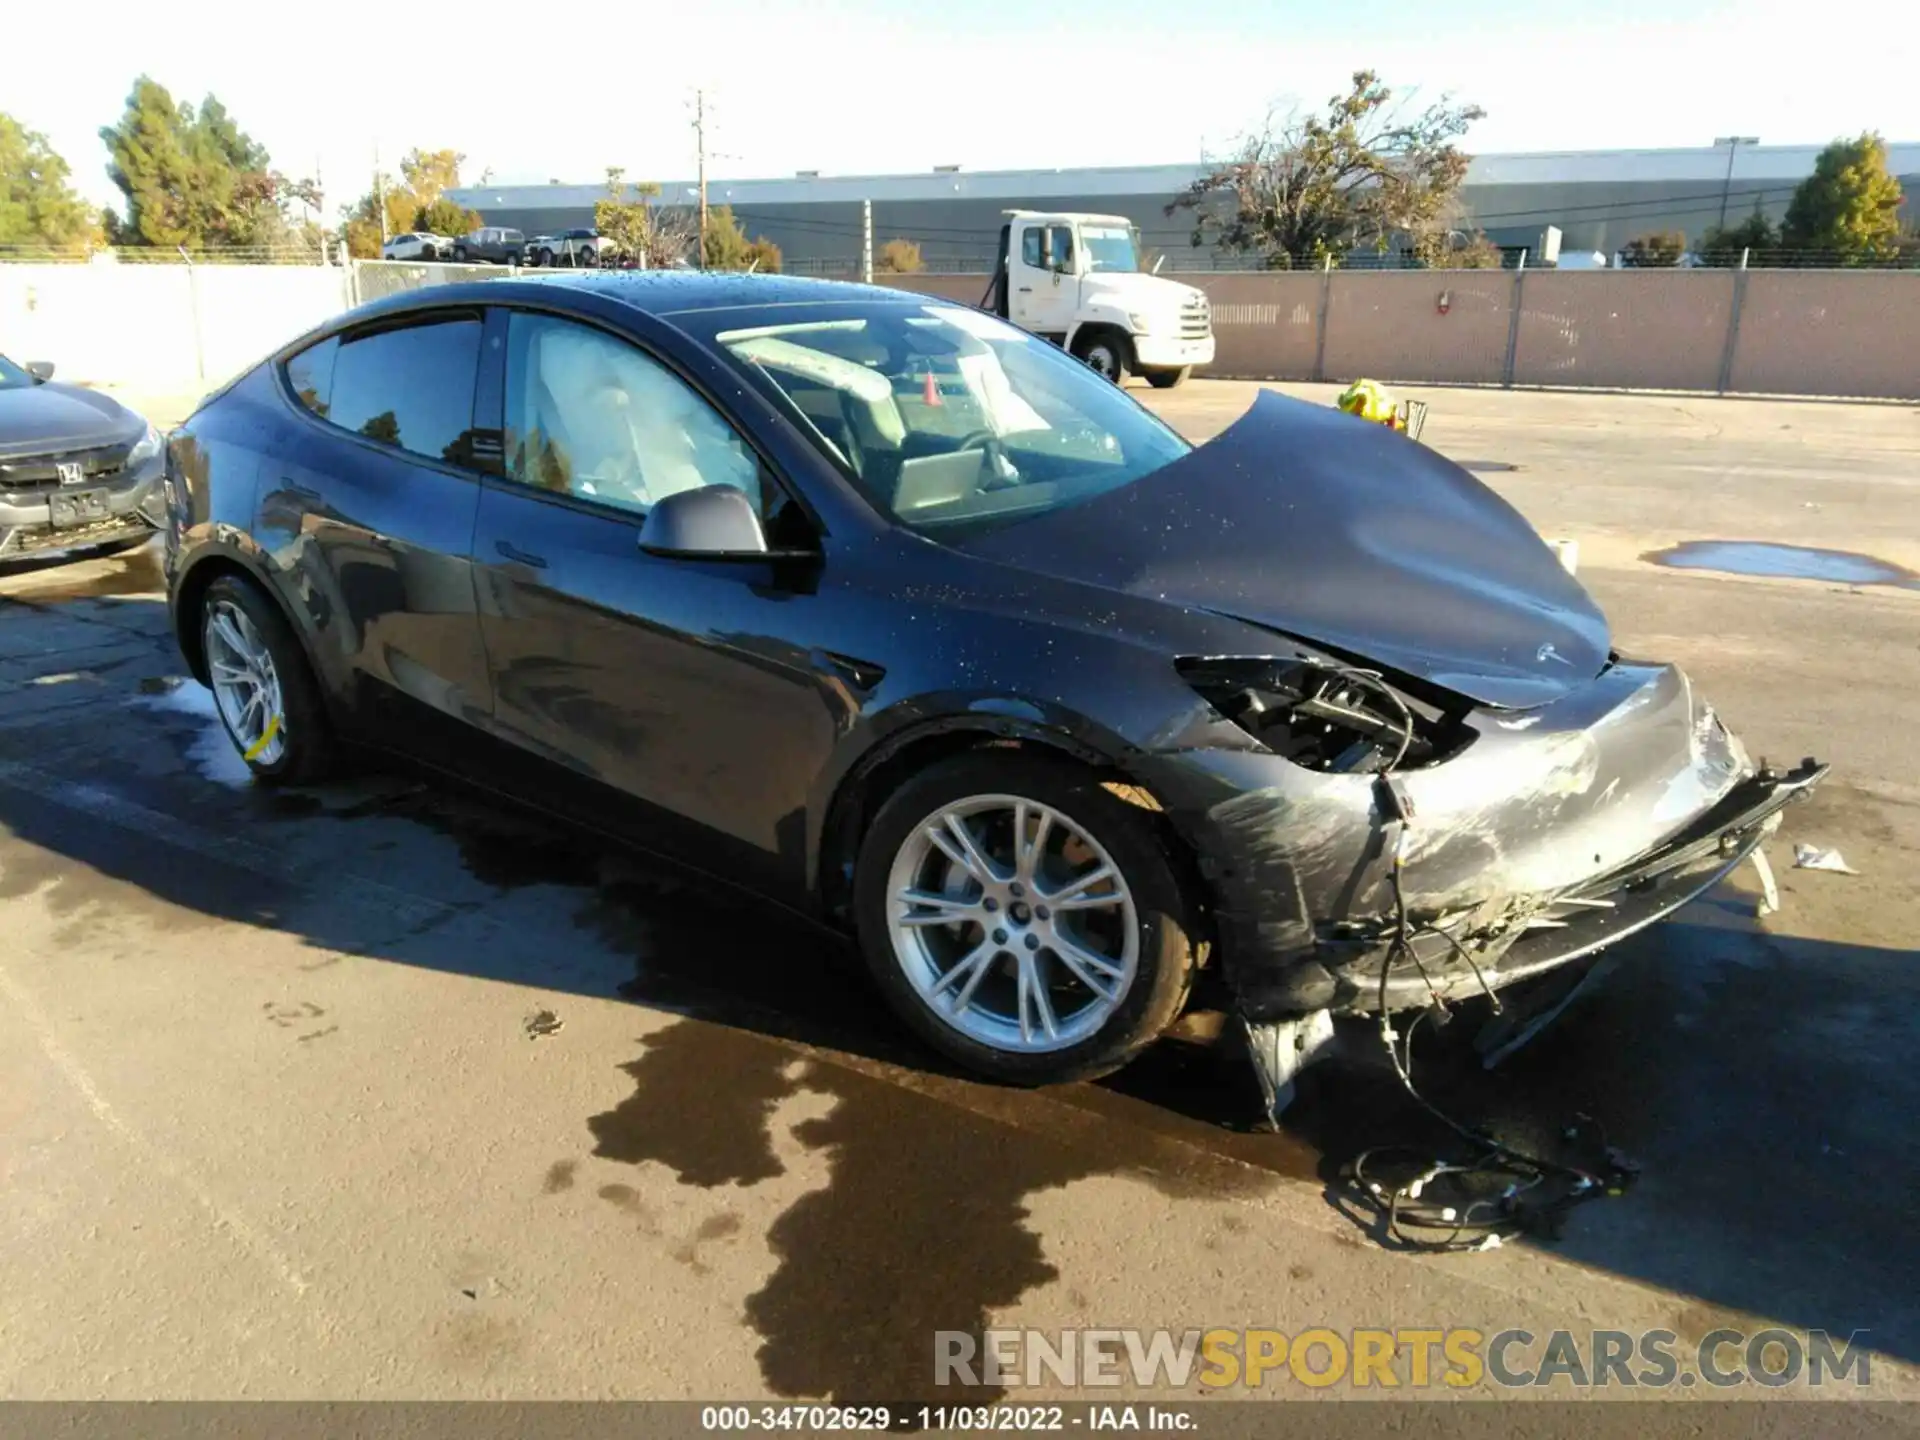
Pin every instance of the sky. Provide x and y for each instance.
(536, 92)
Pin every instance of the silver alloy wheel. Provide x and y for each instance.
(1012, 923)
(246, 686)
(1101, 356)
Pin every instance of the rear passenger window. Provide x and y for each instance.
(310, 373)
(411, 388)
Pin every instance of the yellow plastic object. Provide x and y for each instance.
(1370, 400)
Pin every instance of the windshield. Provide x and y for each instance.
(948, 419)
(1109, 247)
(12, 377)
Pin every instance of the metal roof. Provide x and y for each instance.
(1562, 167)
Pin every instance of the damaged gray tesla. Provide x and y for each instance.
(879, 607)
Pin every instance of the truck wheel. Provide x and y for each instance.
(1105, 352)
(1167, 379)
(543, 256)
(459, 254)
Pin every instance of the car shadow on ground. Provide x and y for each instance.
(1762, 1081)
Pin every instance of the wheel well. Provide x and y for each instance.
(863, 792)
(1094, 328)
(186, 608)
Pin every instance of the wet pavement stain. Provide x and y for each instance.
(1783, 562)
(559, 1177)
(922, 1224)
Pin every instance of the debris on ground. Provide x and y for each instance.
(542, 1022)
(1815, 857)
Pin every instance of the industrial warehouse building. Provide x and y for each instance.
(1599, 200)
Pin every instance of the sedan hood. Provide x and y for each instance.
(36, 419)
(1308, 521)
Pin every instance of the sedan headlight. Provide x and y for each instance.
(147, 449)
(1323, 715)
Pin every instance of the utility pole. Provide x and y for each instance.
(866, 242)
(1733, 144)
(380, 194)
(700, 134)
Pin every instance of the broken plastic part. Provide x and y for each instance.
(1769, 891)
(1815, 857)
(1281, 1049)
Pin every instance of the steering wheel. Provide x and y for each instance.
(996, 450)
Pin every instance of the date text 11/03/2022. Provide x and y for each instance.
(1009, 1418)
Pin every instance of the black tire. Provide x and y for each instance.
(459, 254)
(1168, 379)
(309, 753)
(1105, 351)
(1169, 943)
(542, 257)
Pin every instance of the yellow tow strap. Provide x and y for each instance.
(266, 738)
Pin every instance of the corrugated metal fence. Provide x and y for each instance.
(1779, 332)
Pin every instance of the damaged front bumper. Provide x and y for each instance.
(1558, 831)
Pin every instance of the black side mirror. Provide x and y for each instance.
(41, 370)
(715, 522)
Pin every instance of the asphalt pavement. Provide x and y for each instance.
(384, 1091)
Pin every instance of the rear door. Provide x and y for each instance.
(371, 519)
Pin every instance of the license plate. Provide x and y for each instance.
(79, 508)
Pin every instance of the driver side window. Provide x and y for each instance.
(590, 416)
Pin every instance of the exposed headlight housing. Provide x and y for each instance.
(1328, 716)
(146, 449)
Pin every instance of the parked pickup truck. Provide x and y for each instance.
(572, 247)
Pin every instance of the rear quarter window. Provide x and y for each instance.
(310, 375)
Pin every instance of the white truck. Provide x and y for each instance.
(1076, 280)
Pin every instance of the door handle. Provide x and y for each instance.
(508, 550)
(1026, 289)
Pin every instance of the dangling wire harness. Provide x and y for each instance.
(1498, 1192)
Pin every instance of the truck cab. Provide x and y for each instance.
(1075, 279)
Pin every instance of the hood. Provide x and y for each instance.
(36, 419)
(1308, 521)
(1137, 290)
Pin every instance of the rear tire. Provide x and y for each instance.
(1168, 379)
(1134, 934)
(459, 254)
(292, 742)
(1105, 352)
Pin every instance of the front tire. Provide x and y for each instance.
(1023, 920)
(459, 254)
(1106, 352)
(1168, 379)
(263, 689)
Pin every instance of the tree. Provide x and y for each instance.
(658, 238)
(37, 205)
(429, 173)
(1308, 187)
(899, 257)
(1661, 249)
(1848, 210)
(1753, 237)
(195, 178)
(443, 217)
(1453, 250)
(415, 201)
(728, 248)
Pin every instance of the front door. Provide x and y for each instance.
(682, 693)
(1044, 293)
(372, 518)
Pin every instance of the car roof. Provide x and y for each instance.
(653, 292)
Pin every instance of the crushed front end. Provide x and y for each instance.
(1374, 843)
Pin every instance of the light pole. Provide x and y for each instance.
(1733, 144)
